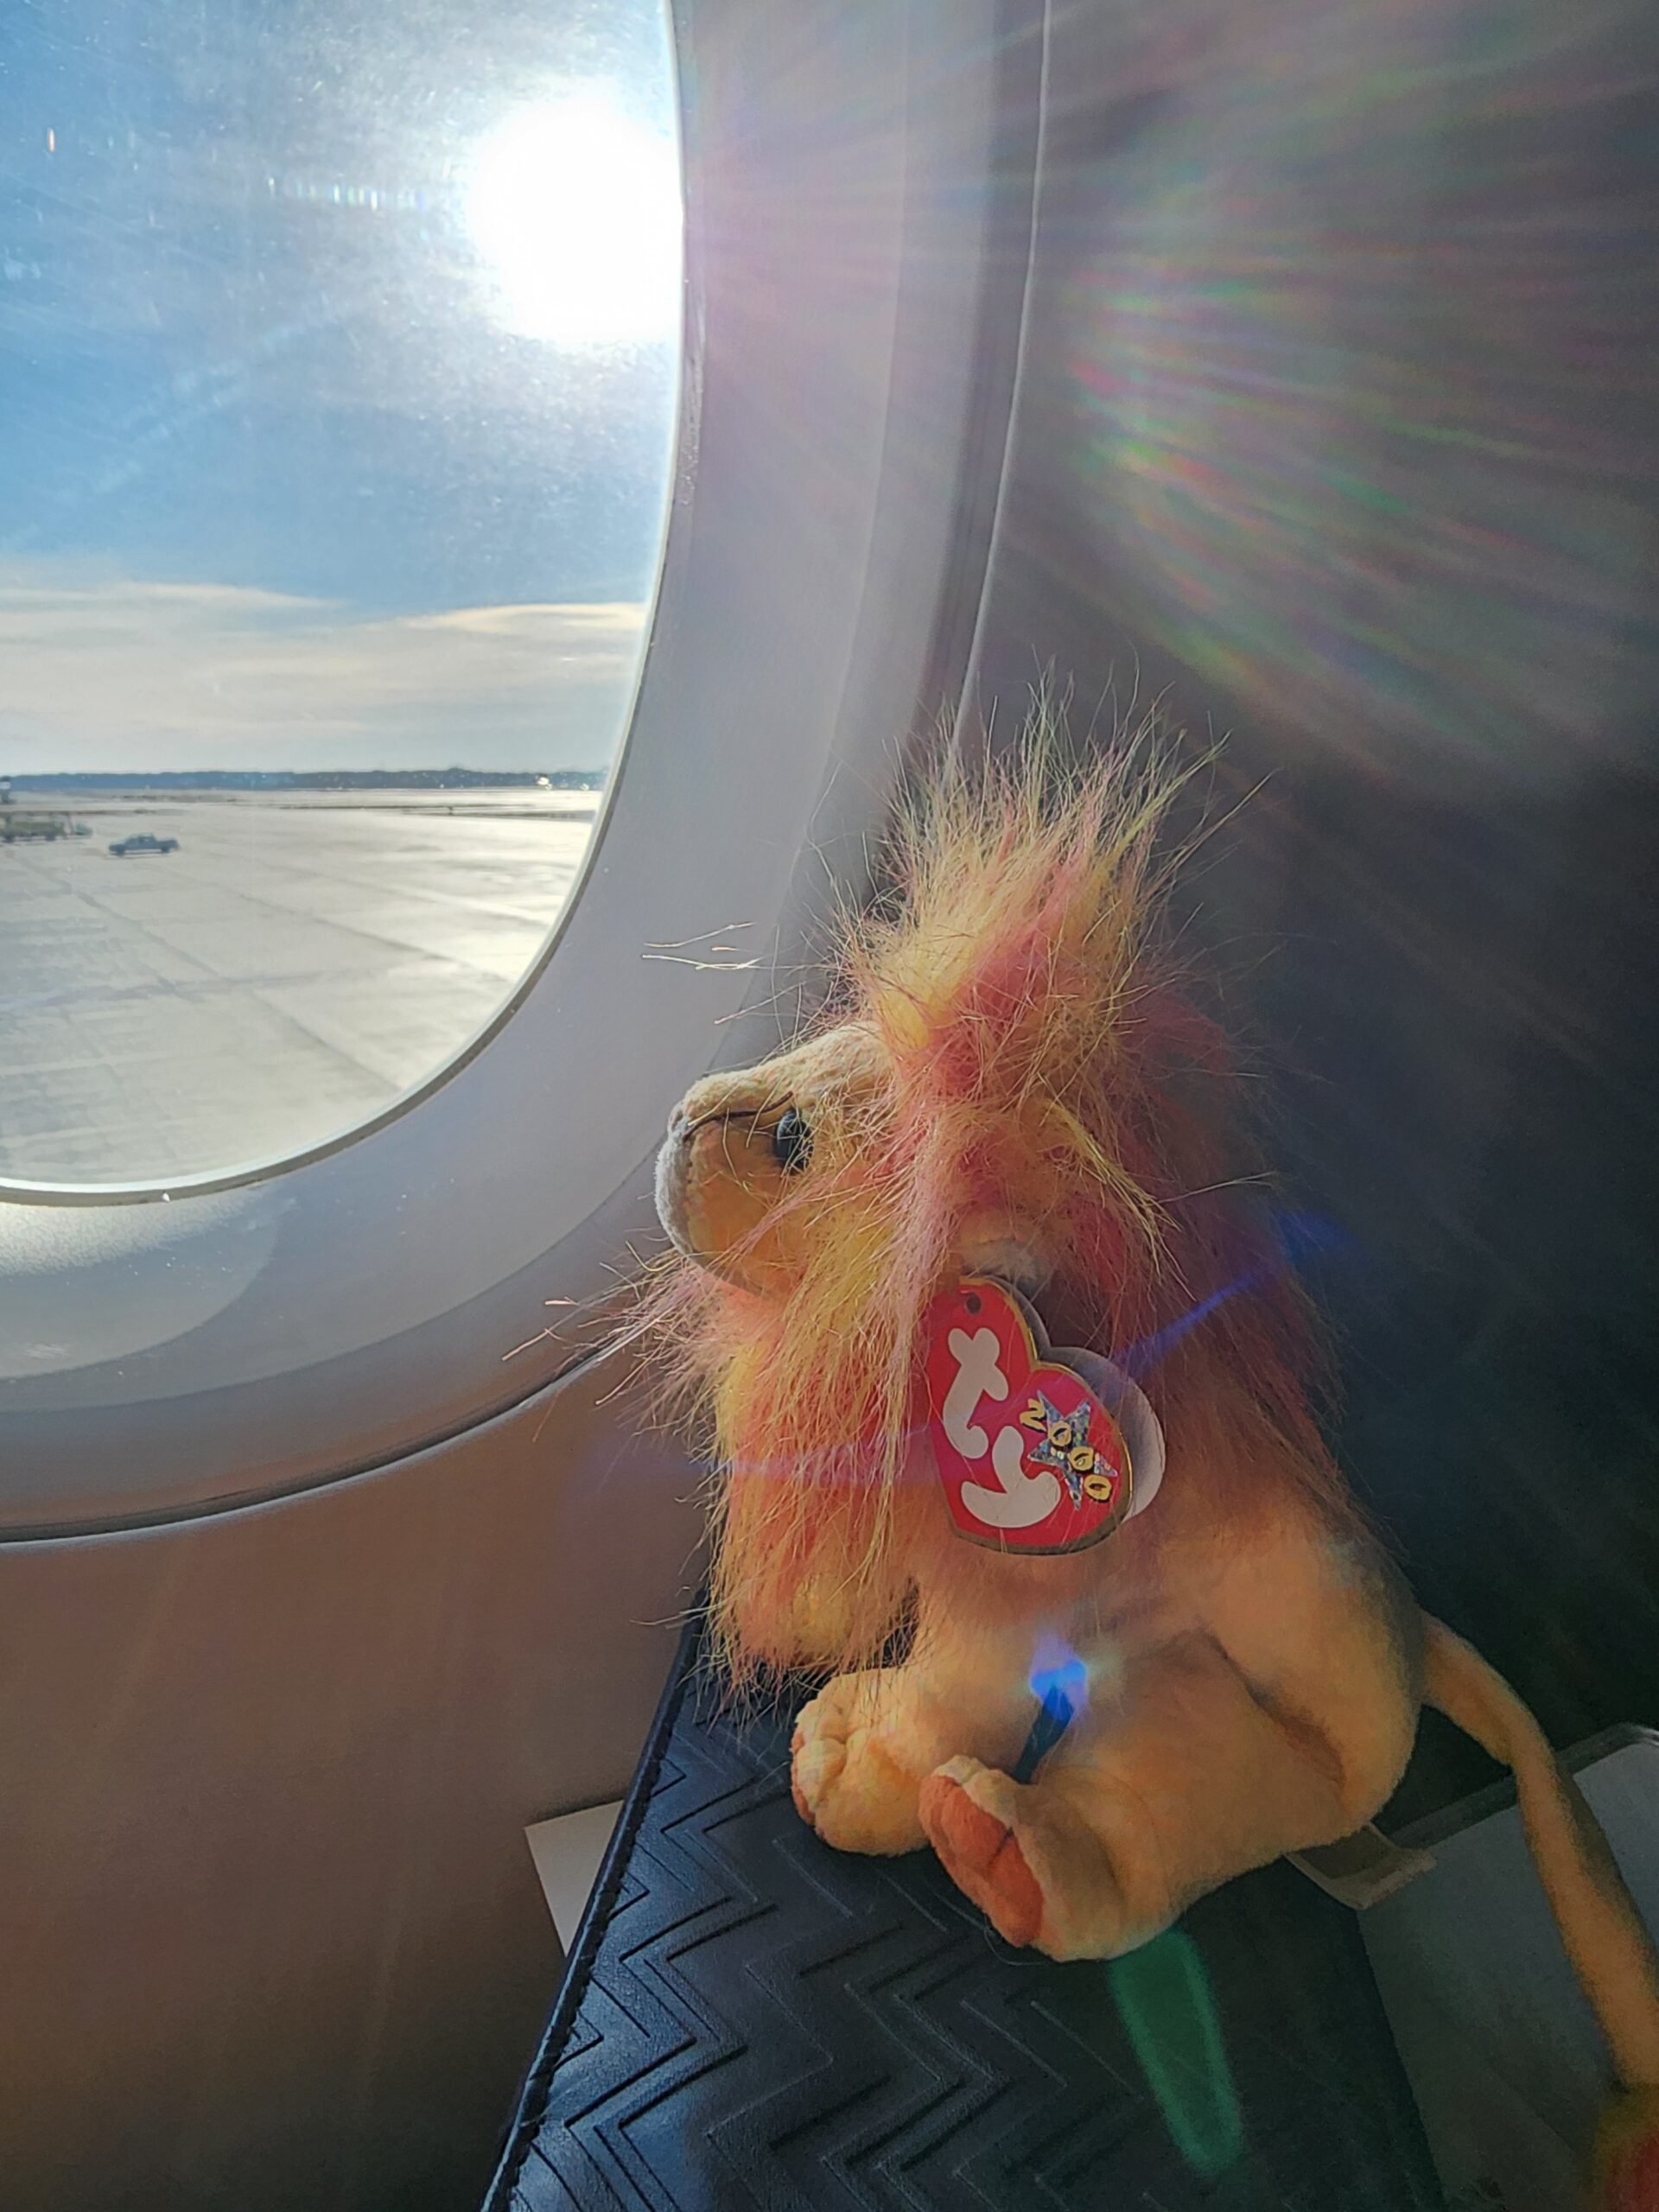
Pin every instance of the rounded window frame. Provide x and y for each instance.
(851, 308)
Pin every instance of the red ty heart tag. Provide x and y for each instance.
(1030, 1457)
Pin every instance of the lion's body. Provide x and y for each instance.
(1252, 1665)
(1250, 1691)
(1009, 1081)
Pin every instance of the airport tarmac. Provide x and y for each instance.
(298, 964)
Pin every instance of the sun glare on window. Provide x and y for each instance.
(575, 206)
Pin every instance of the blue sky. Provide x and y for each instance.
(280, 485)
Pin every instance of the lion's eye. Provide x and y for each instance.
(791, 1142)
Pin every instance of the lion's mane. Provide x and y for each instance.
(1043, 1056)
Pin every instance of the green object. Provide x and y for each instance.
(1169, 2011)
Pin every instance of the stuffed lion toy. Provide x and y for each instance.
(1011, 1126)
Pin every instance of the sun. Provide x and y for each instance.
(574, 206)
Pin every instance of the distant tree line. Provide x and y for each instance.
(315, 779)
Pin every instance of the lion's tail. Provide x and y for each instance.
(1612, 1954)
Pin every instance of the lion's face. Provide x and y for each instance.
(746, 1155)
(740, 1145)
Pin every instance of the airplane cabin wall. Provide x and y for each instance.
(278, 1764)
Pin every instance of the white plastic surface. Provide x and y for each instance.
(1503, 2057)
(568, 1851)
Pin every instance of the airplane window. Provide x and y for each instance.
(339, 356)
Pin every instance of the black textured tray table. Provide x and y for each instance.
(749, 2018)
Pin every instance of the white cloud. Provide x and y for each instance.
(127, 674)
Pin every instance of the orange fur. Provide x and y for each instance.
(1028, 1049)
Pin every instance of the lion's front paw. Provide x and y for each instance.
(846, 1777)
